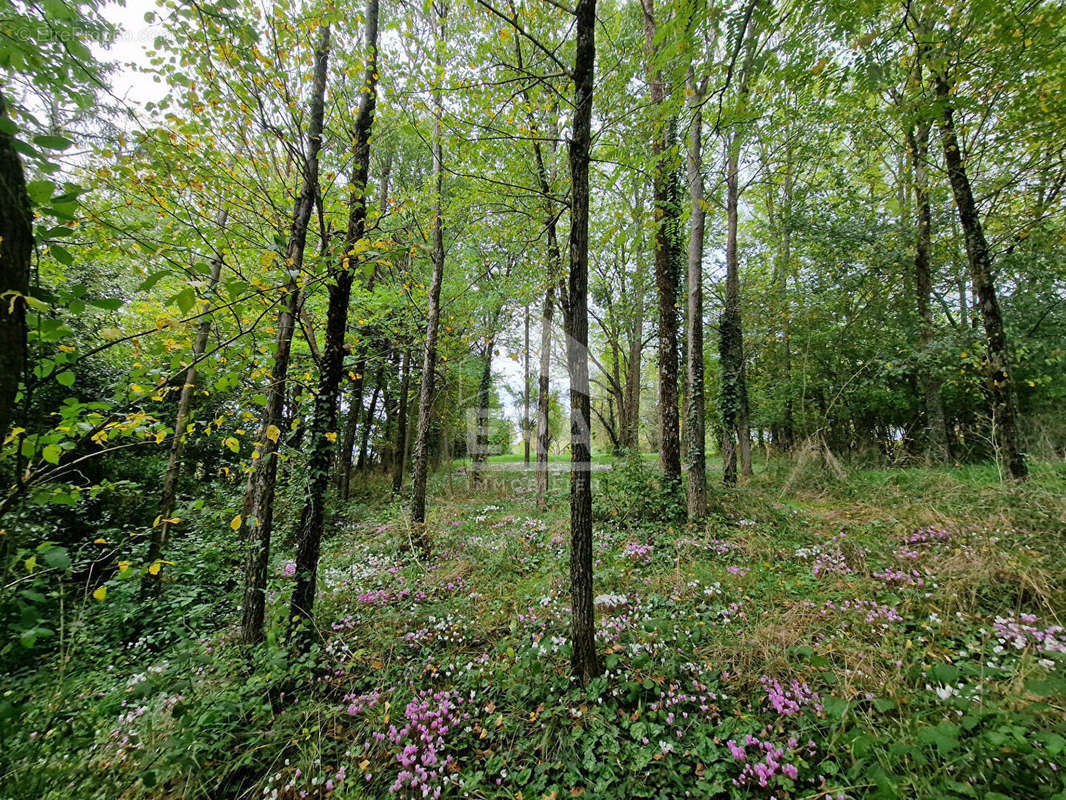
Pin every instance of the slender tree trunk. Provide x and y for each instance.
(258, 511)
(368, 425)
(481, 439)
(694, 411)
(666, 262)
(16, 248)
(1000, 387)
(429, 355)
(401, 423)
(635, 339)
(544, 393)
(526, 421)
(324, 415)
(936, 434)
(351, 428)
(584, 662)
(168, 497)
(731, 347)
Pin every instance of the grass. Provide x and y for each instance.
(807, 639)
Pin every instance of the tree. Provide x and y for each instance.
(429, 352)
(584, 661)
(324, 418)
(16, 246)
(667, 251)
(257, 520)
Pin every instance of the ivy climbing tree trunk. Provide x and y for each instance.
(324, 415)
(584, 662)
(1000, 387)
(168, 496)
(694, 409)
(731, 346)
(257, 519)
(666, 255)
(936, 433)
(429, 353)
(16, 247)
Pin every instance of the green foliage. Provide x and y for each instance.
(634, 493)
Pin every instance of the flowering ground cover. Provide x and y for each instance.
(897, 634)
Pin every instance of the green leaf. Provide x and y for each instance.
(51, 453)
(57, 558)
(61, 254)
(65, 378)
(40, 191)
(52, 142)
(945, 673)
(108, 303)
(185, 299)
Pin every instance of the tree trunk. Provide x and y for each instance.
(481, 425)
(731, 347)
(544, 391)
(526, 422)
(666, 266)
(694, 410)
(168, 496)
(429, 355)
(379, 379)
(324, 416)
(258, 510)
(635, 340)
(401, 423)
(1000, 387)
(16, 248)
(351, 427)
(584, 661)
(936, 434)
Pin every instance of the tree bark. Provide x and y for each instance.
(481, 439)
(731, 346)
(1000, 388)
(324, 415)
(544, 391)
(936, 434)
(168, 496)
(694, 410)
(526, 421)
(584, 662)
(257, 520)
(401, 423)
(429, 355)
(351, 428)
(16, 249)
(666, 260)
(368, 425)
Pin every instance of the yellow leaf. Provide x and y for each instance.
(160, 436)
(154, 569)
(273, 432)
(100, 593)
(235, 523)
(123, 566)
(31, 563)
(232, 444)
(331, 436)
(100, 541)
(15, 432)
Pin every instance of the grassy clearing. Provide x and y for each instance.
(892, 634)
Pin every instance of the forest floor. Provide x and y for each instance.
(895, 633)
